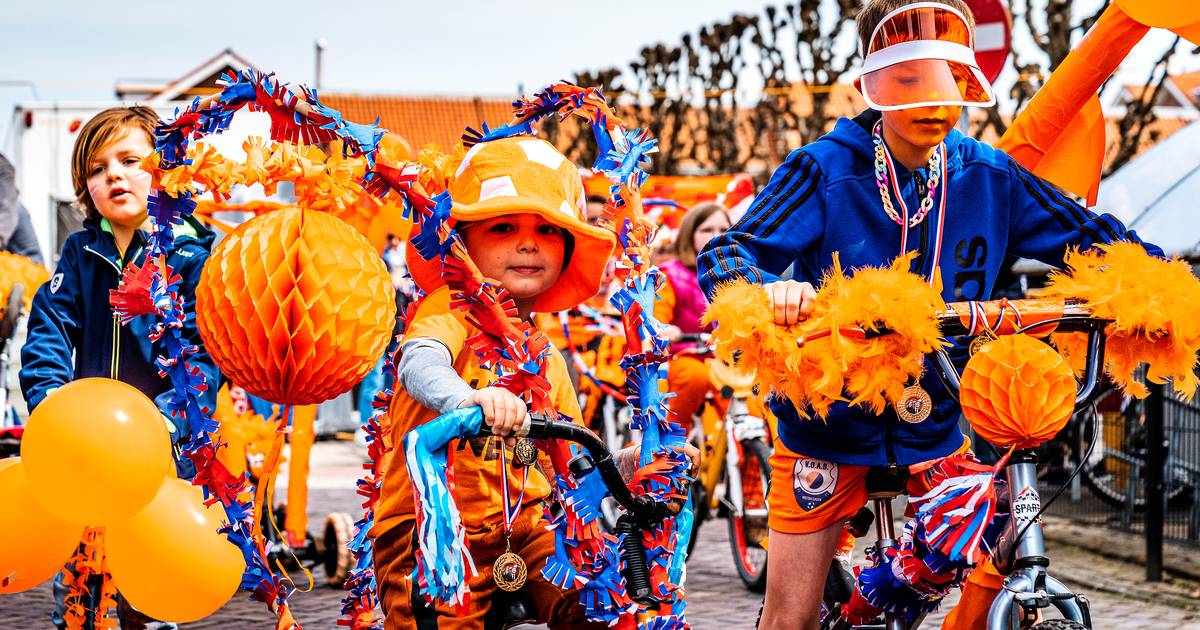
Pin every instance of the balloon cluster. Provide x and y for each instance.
(112, 468)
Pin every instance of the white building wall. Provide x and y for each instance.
(44, 135)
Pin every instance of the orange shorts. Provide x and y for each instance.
(808, 494)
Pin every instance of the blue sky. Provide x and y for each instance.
(75, 50)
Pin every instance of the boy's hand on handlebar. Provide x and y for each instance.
(693, 454)
(791, 301)
(672, 333)
(627, 460)
(502, 410)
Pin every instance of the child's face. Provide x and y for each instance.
(923, 127)
(117, 186)
(715, 224)
(523, 252)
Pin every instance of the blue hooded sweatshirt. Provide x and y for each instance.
(824, 199)
(73, 332)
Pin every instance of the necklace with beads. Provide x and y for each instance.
(885, 178)
(915, 404)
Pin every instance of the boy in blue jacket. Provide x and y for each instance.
(73, 331)
(897, 178)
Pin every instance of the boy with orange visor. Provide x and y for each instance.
(897, 178)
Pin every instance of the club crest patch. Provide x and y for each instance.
(813, 481)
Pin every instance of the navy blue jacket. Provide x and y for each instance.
(73, 332)
(824, 199)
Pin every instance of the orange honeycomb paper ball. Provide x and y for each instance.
(295, 306)
(1017, 391)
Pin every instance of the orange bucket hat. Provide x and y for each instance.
(517, 175)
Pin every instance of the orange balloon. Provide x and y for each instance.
(96, 451)
(1017, 391)
(169, 561)
(295, 306)
(34, 543)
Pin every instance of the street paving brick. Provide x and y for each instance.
(716, 598)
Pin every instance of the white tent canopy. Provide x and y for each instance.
(1157, 194)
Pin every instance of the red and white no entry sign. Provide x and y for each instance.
(993, 35)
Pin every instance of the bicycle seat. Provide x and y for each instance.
(886, 482)
(508, 610)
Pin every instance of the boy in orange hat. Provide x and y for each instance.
(519, 205)
(898, 178)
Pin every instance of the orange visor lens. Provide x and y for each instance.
(922, 23)
(924, 81)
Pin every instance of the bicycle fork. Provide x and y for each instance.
(1020, 555)
(886, 532)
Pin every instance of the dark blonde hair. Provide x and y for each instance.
(875, 10)
(103, 129)
(685, 243)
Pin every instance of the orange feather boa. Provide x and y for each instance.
(1152, 304)
(832, 364)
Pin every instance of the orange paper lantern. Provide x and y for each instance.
(295, 306)
(1017, 391)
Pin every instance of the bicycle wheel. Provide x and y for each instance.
(1115, 472)
(748, 531)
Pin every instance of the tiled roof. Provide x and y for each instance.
(422, 120)
(1189, 84)
(441, 120)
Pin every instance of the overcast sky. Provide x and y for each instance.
(73, 50)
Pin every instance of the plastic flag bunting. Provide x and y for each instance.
(152, 288)
(585, 557)
(442, 556)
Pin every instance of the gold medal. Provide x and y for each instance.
(914, 405)
(525, 452)
(981, 340)
(509, 570)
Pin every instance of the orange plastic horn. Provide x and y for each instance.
(1017, 391)
(1058, 105)
(295, 306)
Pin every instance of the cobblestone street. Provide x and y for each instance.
(716, 596)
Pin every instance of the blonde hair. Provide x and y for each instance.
(103, 129)
(870, 15)
(685, 242)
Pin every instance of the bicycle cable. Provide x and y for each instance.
(1066, 484)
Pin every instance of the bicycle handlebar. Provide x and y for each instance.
(1028, 315)
(645, 510)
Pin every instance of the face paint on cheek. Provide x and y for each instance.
(138, 175)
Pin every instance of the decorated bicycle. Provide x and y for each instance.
(295, 322)
(1016, 390)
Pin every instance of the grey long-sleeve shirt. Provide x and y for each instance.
(426, 372)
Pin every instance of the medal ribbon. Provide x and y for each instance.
(510, 517)
(894, 184)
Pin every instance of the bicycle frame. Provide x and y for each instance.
(1028, 587)
(1020, 554)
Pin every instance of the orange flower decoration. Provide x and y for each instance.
(16, 269)
(1017, 391)
(295, 306)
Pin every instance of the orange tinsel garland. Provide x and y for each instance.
(834, 362)
(1152, 304)
(88, 563)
